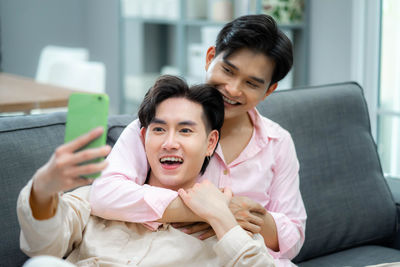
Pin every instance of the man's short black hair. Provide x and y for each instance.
(260, 34)
(168, 86)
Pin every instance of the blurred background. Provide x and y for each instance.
(121, 47)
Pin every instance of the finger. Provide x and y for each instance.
(183, 194)
(82, 140)
(256, 207)
(75, 182)
(87, 169)
(254, 219)
(195, 228)
(207, 234)
(81, 181)
(89, 154)
(181, 224)
(227, 192)
(255, 229)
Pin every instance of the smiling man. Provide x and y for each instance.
(180, 130)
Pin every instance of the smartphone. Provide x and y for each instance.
(87, 111)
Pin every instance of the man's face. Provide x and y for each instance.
(176, 143)
(242, 78)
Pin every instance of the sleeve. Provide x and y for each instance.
(237, 248)
(120, 193)
(286, 205)
(66, 226)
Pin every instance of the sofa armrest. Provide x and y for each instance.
(394, 185)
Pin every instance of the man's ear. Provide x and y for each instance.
(271, 88)
(143, 134)
(212, 142)
(210, 56)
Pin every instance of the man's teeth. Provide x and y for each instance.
(171, 159)
(227, 100)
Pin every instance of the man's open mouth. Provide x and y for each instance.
(171, 160)
(231, 102)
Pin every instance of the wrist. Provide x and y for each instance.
(222, 223)
(40, 195)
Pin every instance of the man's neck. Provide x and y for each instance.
(154, 181)
(236, 125)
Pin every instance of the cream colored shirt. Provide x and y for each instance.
(87, 240)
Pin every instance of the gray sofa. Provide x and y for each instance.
(352, 215)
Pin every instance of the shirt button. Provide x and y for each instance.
(226, 172)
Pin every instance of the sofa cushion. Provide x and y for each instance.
(356, 257)
(347, 200)
(26, 144)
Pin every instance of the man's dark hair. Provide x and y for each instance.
(168, 86)
(260, 34)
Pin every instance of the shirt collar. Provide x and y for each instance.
(264, 128)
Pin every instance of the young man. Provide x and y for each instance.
(180, 132)
(256, 157)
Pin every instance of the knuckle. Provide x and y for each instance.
(90, 169)
(59, 151)
(58, 163)
(86, 155)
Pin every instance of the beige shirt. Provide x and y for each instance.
(87, 240)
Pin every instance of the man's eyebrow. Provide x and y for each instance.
(189, 123)
(230, 64)
(259, 80)
(158, 121)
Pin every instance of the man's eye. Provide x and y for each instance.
(227, 70)
(186, 130)
(252, 85)
(158, 129)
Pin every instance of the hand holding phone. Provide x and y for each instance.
(63, 173)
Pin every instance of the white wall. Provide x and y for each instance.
(28, 26)
(330, 41)
(102, 38)
(344, 46)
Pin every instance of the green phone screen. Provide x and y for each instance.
(87, 111)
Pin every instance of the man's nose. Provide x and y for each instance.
(170, 141)
(233, 88)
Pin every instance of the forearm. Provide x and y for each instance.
(118, 198)
(43, 205)
(269, 232)
(177, 211)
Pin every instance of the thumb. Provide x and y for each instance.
(228, 193)
(183, 194)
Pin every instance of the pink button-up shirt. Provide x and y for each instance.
(265, 171)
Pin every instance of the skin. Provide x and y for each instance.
(211, 204)
(244, 80)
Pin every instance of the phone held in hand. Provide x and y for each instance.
(87, 111)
